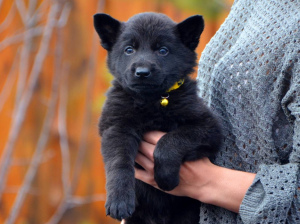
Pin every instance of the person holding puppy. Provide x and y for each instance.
(249, 74)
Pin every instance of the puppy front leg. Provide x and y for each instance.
(119, 148)
(186, 143)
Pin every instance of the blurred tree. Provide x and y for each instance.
(210, 9)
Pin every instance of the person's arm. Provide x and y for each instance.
(274, 196)
(200, 179)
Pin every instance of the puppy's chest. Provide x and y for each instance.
(157, 118)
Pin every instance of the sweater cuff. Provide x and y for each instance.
(270, 196)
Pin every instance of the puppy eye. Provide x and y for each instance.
(129, 50)
(163, 51)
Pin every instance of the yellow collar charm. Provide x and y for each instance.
(164, 101)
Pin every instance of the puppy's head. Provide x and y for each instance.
(149, 53)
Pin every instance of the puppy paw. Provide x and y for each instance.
(166, 179)
(166, 165)
(120, 207)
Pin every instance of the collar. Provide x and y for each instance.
(176, 85)
(164, 101)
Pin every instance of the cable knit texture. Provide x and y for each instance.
(249, 74)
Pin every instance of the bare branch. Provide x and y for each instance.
(22, 10)
(87, 107)
(77, 201)
(24, 62)
(43, 139)
(62, 126)
(48, 155)
(64, 145)
(23, 68)
(8, 19)
(71, 202)
(62, 208)
(26, 98)
(64, 15)
(38, 14)
(11, 77)
(17, 38)
(31, 8)
(62, 129)
(67, 201)
(16, 189)
(38, 154)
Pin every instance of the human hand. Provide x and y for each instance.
(199, 179)
(191, 180)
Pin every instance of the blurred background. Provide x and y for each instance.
(53, 80)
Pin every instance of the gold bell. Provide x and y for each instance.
(164, 102)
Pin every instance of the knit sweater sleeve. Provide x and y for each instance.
(274, 196)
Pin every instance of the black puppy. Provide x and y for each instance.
(150, 57)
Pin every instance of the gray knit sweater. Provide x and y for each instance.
(249, 74)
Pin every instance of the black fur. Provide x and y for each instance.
(147, 55)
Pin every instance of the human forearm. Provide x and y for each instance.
(226, 187)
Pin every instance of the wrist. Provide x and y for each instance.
(225, 187)
(209, 190)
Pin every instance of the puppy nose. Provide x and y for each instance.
(142, 72)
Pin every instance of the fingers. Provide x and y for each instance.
(148, 145)
(152, 137)
(145, 157)
(144, 162)
(147, 150)
(146, 177)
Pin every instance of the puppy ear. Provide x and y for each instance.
(190, 31)
(107, 29)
